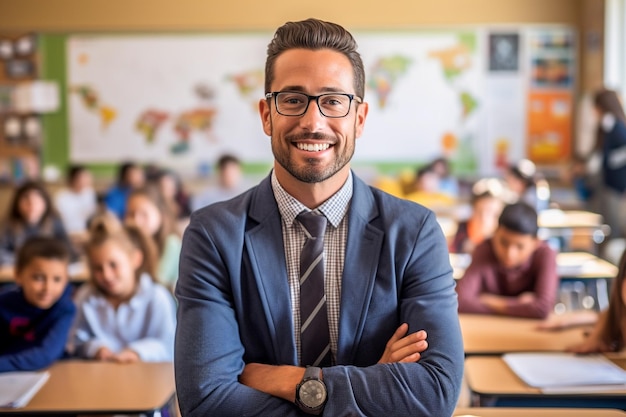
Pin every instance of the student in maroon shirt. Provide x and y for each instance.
(513, 273)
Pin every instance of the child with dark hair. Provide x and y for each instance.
(481, 224)
(513, 273)
(31, 213)
(36, 316)
(130, 176)
(527, 185)
(228, 183)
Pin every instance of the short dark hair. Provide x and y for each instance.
(31, 186)
(74, 171)
(124, 168)
(227, 159)
(519, 218)
(41, 247)
(314, 34)
(525, 170)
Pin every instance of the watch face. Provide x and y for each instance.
(312, 393)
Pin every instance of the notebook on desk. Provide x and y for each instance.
(17, 388)
(566, 372)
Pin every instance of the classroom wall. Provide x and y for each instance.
(61, 17)
(149, 15)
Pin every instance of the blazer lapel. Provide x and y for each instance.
(359, 272)
(264, 243)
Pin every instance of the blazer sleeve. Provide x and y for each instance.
(427, 300)
(208, 351)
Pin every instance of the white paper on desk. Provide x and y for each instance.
(17, 388)
(545, 370)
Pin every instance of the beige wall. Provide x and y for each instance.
(104, 15)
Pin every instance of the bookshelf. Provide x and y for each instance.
(20, 127)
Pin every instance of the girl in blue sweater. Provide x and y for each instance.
(35, 317)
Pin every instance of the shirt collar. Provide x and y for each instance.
(334, 209)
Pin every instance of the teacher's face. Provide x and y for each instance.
(312, 148)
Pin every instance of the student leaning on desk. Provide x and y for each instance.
(31, 213)
(35, 317)
(513, 273)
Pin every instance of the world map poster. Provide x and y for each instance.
(183, 100)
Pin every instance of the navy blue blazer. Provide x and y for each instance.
(234, 308)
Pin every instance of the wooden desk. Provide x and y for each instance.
(89, 387)
(583, 265)
(570, 265)
(566, 224)
(79, 273)
(495, 335)
(569, 219)
(584, 275)
(492, 382)
(536, 412)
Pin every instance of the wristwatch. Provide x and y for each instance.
(311, 394)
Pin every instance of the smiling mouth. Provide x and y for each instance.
(312, 147)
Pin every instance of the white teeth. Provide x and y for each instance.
(316, 147)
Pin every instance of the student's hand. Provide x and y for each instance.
(104, 354)
(526, 297)
(494, 302)
(569, 319)
(404, 348)
(590, 345)
(127, 356)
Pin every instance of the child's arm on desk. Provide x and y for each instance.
(569, 319)
(593, 343)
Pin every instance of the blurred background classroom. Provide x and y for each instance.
(468, 99)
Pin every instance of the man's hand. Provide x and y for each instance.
(404, 348)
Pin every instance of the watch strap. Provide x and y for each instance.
(312, 372)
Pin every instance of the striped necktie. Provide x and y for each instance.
(314, 334)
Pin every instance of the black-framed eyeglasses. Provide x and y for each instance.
(334, 105)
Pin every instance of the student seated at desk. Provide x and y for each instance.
(513, 273)
(426, 190)
(76, 202)
(36, 316)
(147, 209)
(123, 314)
(31, 213)
(609, 333)
(486, 208)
